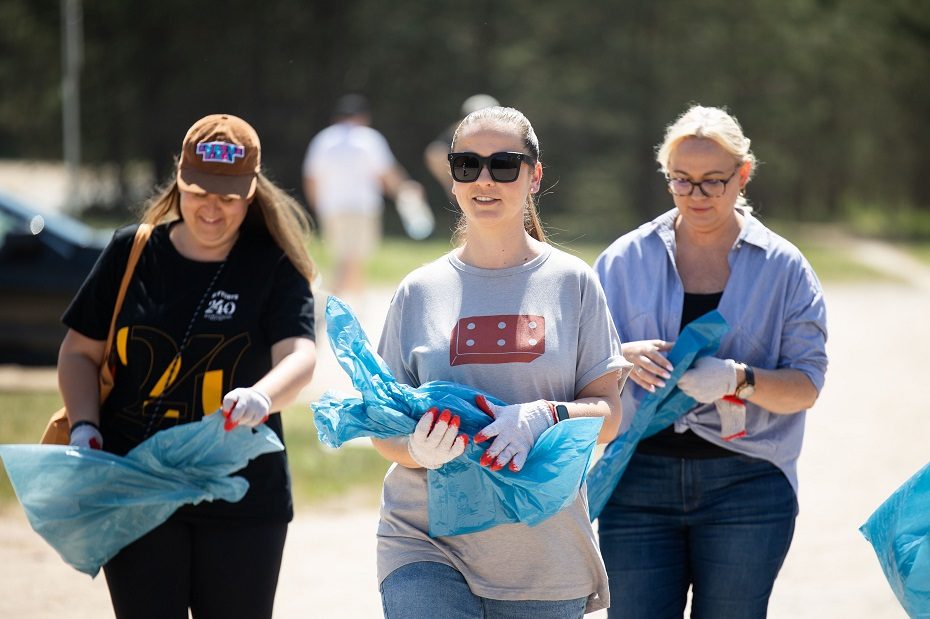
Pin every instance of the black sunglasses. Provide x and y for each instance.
(503, 167)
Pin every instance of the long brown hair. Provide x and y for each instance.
(272, 208)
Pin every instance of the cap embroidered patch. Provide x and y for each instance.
(220, 152)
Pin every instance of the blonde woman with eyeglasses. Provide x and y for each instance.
(709, 503)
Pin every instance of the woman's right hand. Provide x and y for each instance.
(436, 441)
(650, 367)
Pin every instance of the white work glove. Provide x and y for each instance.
(245, 406)
(709, 379)
(732, 412)
(86, 434)
(436, 441)
(516, 427)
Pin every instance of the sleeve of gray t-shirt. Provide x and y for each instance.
(390, 348)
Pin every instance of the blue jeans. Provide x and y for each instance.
(430, 590)
(721, 525)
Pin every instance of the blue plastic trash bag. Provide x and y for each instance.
(657, 410)
(464, 496)
(899, 531)
(89, 504)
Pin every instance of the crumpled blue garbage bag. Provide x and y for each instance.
(899, 531)
(89, 504)
(657, 410)
(464, 496)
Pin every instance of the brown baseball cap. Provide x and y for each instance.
(220, 154)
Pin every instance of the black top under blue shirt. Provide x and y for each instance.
(686, 444)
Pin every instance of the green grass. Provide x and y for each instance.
(23, 415)
(395, 258)
(319, 474)
(829, 252)
(893, 221)
(919, 251)
(836, 265)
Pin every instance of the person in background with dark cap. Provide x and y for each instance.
(346, 172)
(436, 154)
(218, 317)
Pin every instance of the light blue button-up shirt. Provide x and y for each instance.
(772, 301)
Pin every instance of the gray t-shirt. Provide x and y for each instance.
(538, 330)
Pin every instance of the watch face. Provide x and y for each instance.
(749, 384)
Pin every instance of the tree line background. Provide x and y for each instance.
(833, 93)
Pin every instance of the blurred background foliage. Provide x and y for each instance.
(834, 94)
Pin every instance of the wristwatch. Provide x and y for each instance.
(561, 412)
(746, 388)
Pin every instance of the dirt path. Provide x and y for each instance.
(866, 435)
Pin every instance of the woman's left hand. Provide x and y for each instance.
(709, 379)
(515, 429)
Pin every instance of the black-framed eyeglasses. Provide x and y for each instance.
(504, 167)
(711, 187)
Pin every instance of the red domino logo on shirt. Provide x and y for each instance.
(503, 338)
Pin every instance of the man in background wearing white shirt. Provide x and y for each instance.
(346, 172)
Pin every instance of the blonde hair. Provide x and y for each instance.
(506, 120)
(712, 123)
(271, 208)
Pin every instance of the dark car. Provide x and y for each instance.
(44, 258)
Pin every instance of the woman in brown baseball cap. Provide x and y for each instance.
(217, 318)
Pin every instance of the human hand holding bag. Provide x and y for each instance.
(515, 429)
(435, 440)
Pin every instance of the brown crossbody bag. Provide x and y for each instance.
(58, 430)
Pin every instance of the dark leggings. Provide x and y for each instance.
(217, 569)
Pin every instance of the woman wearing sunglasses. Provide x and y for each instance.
(506, 313)
(709, 503)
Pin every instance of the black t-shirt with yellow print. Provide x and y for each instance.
(258, 299)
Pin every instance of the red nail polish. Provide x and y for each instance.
(446, 416)
(482, 403)
(513, 467)
(486, 458)
(464, 438)
(229, 412)
(480, 438)
(496, 466)
(456, 422)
